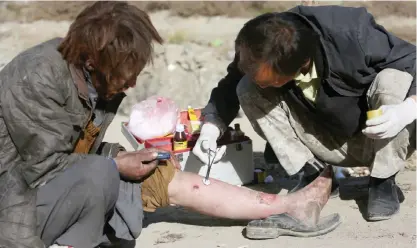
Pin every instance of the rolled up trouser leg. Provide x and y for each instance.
(155, 187)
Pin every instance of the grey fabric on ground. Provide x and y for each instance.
(73, 208)
(128, 215)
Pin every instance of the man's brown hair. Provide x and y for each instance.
(116, 36)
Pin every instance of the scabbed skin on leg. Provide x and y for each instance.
(220, 199)
(265, 198)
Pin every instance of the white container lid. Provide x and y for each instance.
(179, 128)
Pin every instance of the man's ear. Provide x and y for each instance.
(89, 65)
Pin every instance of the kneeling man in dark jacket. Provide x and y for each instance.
(306, 79)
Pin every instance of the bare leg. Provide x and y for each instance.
(220, 199)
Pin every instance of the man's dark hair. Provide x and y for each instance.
(282, 40)
(115, 35)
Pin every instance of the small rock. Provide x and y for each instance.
(359, 171)
(216, 43)
(171, 67)
(350, 171)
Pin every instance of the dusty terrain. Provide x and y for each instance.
(199, 45)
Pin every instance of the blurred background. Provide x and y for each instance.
(199, 38)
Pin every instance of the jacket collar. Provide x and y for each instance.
(80, 82)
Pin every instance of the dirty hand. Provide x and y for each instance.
(394, 118)
(208, 140)
(138, 164)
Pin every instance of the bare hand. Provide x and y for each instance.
(138, 164)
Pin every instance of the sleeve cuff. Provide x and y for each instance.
(215, 120)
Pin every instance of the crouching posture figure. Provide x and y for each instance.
(61, 185)
(305, 79)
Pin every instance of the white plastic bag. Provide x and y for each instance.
(152, 118)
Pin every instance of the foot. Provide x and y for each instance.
(383, 199)
(303, 219)
(303, 181)
(307, 203)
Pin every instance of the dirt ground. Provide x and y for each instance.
(27, 11)
(67, 10)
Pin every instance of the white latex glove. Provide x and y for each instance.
(394, 118)
(208, 140)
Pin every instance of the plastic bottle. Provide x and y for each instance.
(180, 139)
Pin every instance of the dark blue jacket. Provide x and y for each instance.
(353, 50)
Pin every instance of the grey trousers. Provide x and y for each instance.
(296, 139)
(86, 204)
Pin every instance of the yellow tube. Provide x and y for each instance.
(373, 113)
(195, 123)
(191, 114)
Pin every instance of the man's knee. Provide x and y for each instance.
(101, 178)
(390, 86)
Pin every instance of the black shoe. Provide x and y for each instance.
(383, 199)
(269, 155)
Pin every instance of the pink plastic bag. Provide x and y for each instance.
(152, 118)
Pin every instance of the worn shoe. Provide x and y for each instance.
(286, 225)
(383, 199)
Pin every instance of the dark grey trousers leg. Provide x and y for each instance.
(73, 208)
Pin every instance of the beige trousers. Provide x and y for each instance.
(296, 139)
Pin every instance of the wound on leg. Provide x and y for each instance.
(264, 198)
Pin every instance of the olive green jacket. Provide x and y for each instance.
(44, 108)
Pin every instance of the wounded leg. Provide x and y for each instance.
(298, 212)
(220, 199)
